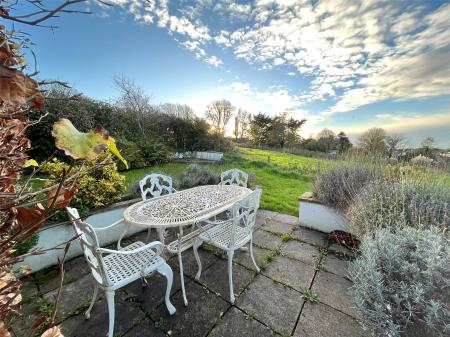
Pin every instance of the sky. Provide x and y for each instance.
(343, 65)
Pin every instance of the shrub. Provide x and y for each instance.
(401, 283)
(97, 186)
(399, 203)
(196, 175)
(132, 153)
(338, 185)
(153, 152)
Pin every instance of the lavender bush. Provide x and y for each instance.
(399, 203)
(402, 283)
(340, 184)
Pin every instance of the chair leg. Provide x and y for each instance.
(197, 243)
(125, 230)
(230, 274)
(180, 263)
(87, 314)
(110, 301)
(252, 256)
(166, 271)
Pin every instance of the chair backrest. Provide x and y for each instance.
(234, 177)
(244, 214)
(89, 245)
(155, 185)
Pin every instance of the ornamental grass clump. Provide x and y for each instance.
(396, 203)
(338, 185)
(196, 175)
(402, 282)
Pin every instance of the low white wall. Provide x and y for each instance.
(314, 215)
(214, 156)
(51, 236)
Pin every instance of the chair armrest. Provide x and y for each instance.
(110, 226)
(174, 190)
(155, 244)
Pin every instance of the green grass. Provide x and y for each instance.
(281, 184)
(283, 159)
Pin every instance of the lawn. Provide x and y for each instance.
(287, 160)
(282, 183)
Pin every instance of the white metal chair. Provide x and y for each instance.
(155, 185)
(234, 177)
(232, 234)
(119, 267)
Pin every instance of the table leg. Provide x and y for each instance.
(162, 235)
(162, 238)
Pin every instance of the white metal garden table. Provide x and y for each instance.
(183, 208)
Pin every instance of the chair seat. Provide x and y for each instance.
(122, 269)
(187, 241)
(220, 235)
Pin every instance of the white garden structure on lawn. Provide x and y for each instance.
(119, 267)
(231, 234)
(155, 185)
(234, 177)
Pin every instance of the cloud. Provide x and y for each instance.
(413, 126)
(351, 53)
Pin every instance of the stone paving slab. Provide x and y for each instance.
(286, 218)
(48, 280)
(243, 257)
(127, 315)
(216, 279)
(333, 290)
(236, 323)
(146, 328)
(190, 266)
(311, 236)
(152, 295)
(293, 273)
(319, 320)
(271, 303)
(195, 320)
(300, 251)
(275, 226)
(75, 296)
(266, 240)
(335, 265)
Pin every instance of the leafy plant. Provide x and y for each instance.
(401, 282)
(309, 295)
(100, 183)
(25, 246)
(132, 152)
(153, 152)
(196, 175)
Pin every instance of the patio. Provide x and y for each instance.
(298, 266)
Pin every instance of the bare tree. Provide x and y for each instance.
(219, 113)
(241, 123)
(133, 100)
(177, 110)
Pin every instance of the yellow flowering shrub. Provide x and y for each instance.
(96, 186)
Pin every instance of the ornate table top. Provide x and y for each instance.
(185, 207)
